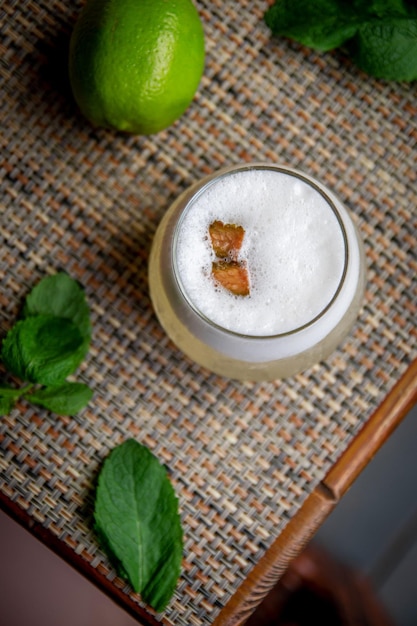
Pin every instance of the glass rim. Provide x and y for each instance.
(202, 189)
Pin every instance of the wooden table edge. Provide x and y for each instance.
(322, 500)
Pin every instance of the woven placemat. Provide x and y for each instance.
(242, 456)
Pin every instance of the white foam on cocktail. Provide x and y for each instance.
(293, 247)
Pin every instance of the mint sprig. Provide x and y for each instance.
(380, 35)
(138, 523)
(47, 345)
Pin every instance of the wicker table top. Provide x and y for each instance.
(243, 457)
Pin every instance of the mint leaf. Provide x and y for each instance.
(65, 399)
(9, 392)
(387, 49)
(6, 405)
(61, 296)
(8, 398)
(322, 24)
(381, 35)
(43, 349)
(383, 8)
(137, 519)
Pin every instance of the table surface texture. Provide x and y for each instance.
(241, 456)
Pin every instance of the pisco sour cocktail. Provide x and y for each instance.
(257, 272)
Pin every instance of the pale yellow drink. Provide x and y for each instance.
(305, 263)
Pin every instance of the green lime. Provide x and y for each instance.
(135, 65)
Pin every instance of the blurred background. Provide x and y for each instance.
(373, 529)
